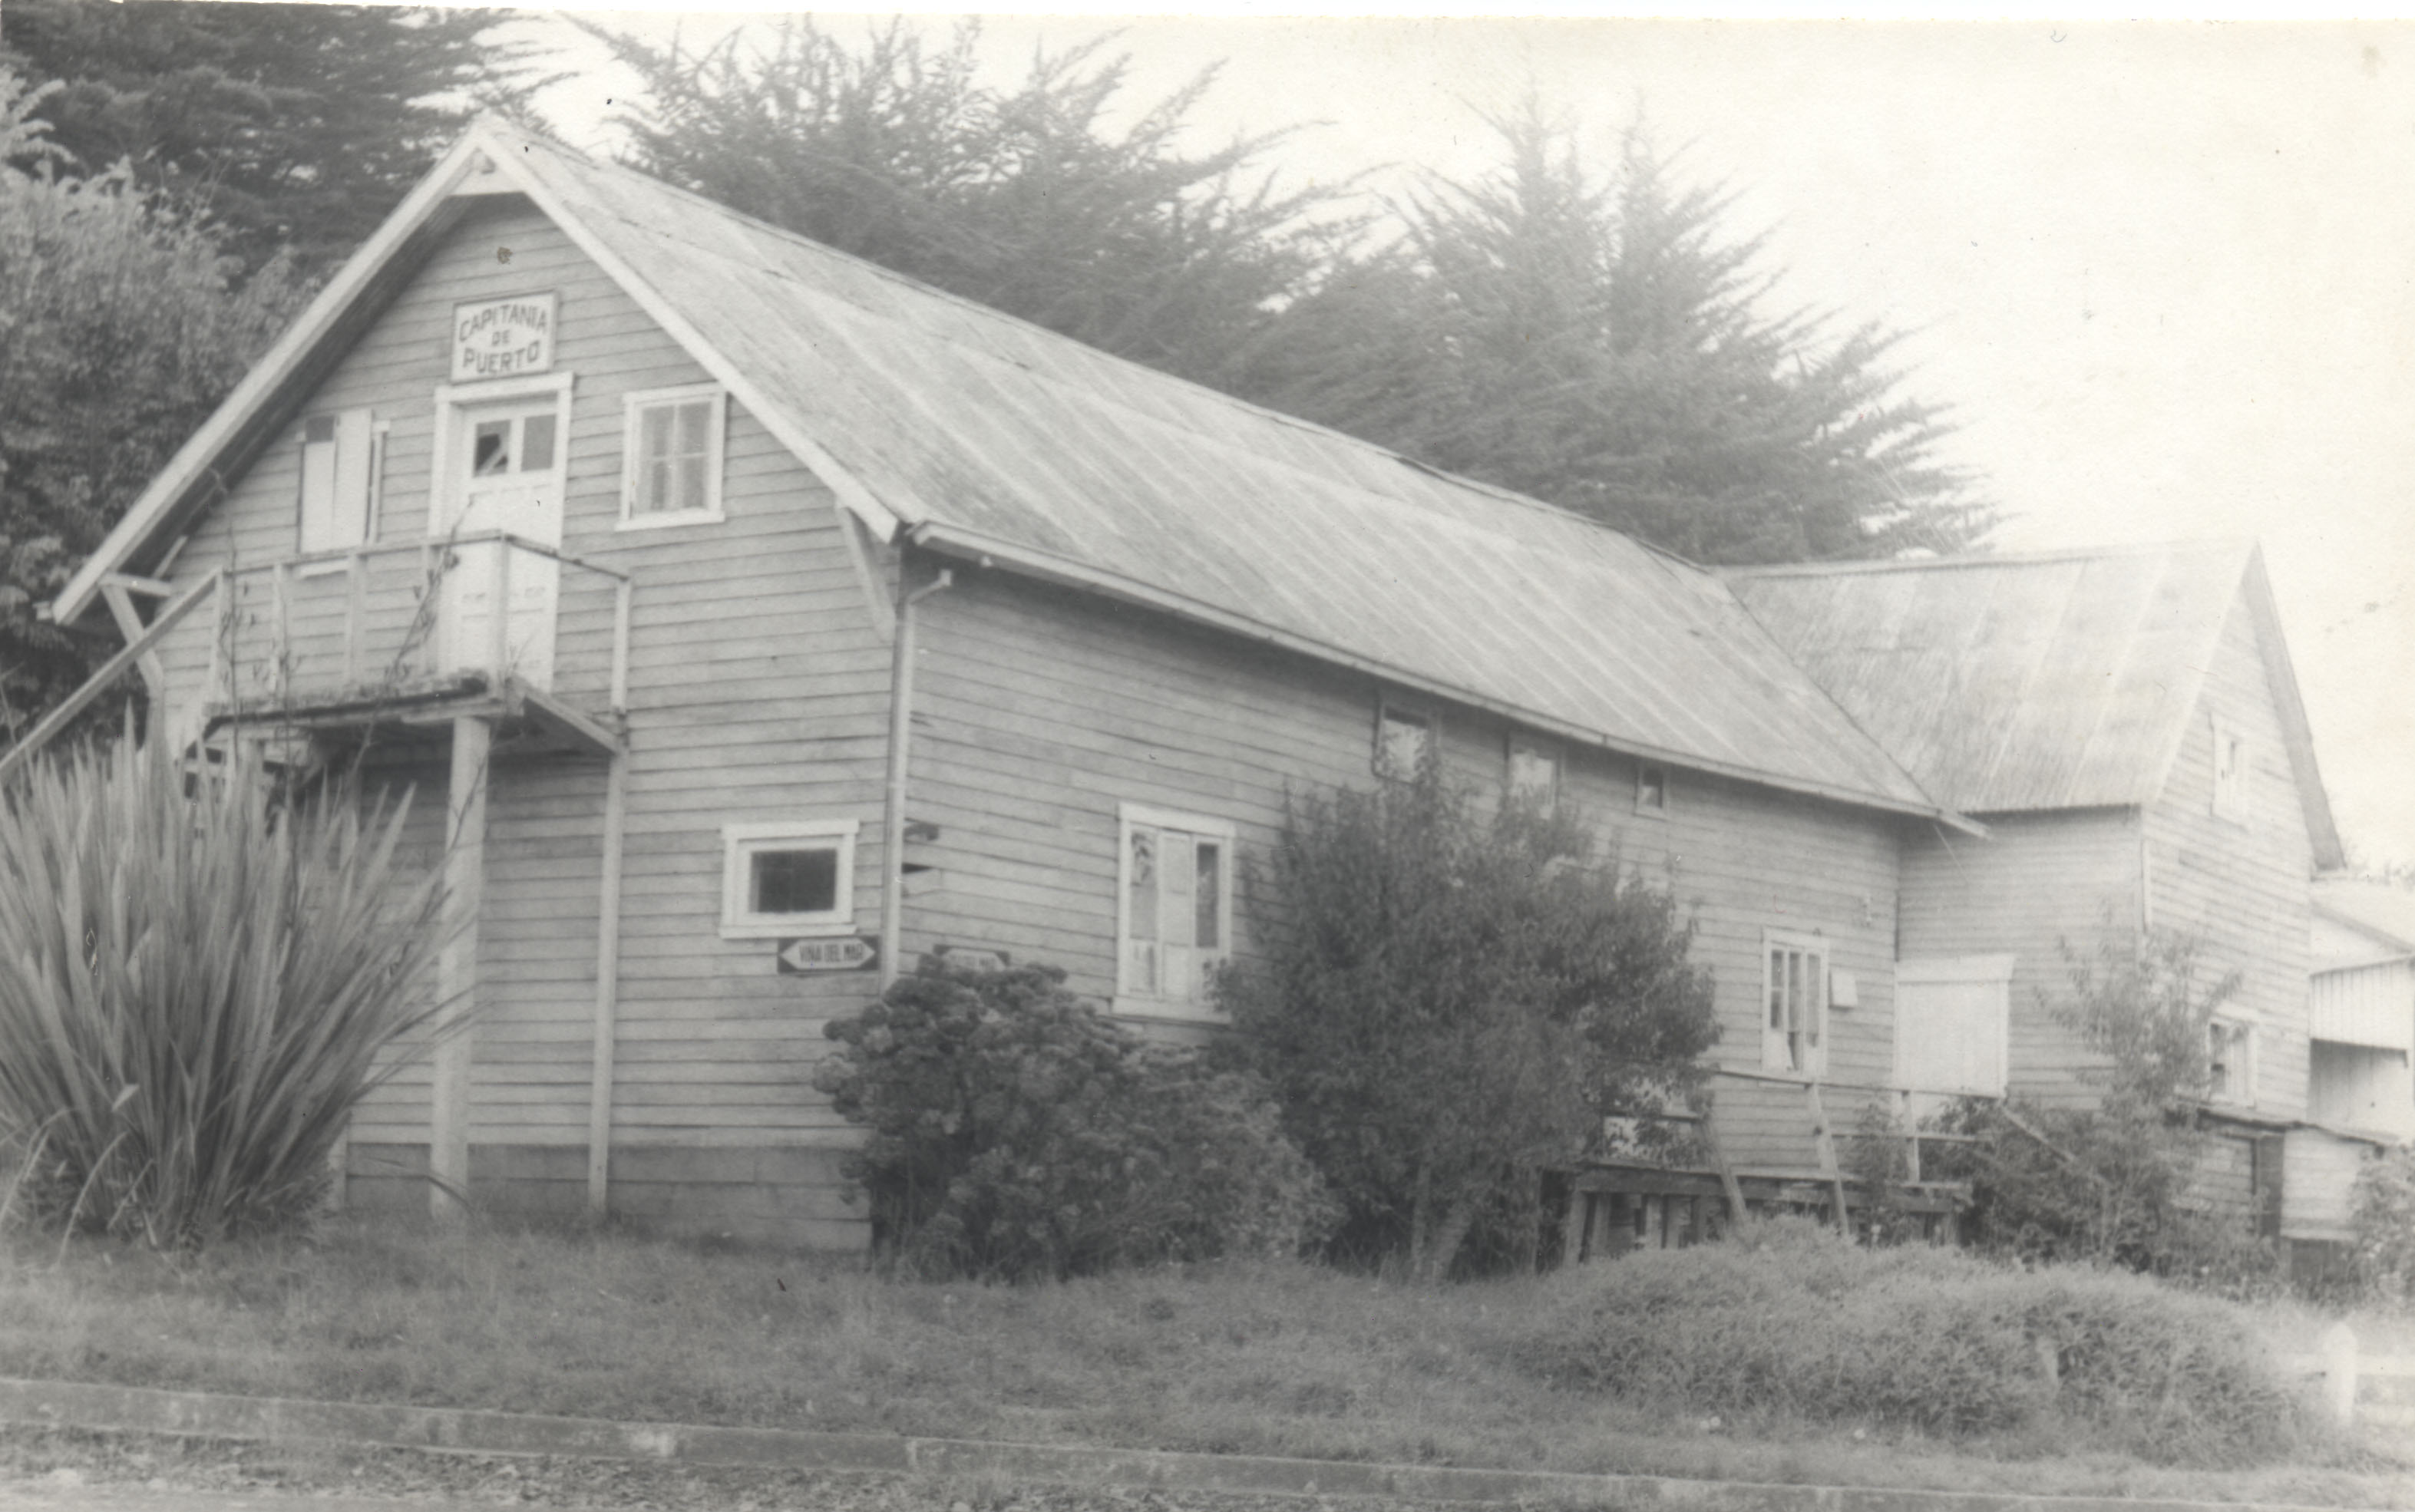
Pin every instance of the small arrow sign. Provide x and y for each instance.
(847, 952)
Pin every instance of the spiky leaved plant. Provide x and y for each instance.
(195, 990)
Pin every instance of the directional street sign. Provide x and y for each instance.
(847, 952)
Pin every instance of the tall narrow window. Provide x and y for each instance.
(2229, 772)
(2230, 1063)
(337, 480)
(1794, 991)
(672, 456)
(1176, 910)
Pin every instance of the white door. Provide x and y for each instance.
(505, 467)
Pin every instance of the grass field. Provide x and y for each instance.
(1273, 1359)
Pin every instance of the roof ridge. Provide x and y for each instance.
(2048, 556)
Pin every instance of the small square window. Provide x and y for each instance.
(1405, 741)
(1651, 788)
(1534, 772)
(794, 878)
(673, 457)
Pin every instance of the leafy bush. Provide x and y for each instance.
(193, 992)
(1449, 1002)
(1788, 1319)
(2383, 1216)
(2115, 1183)
(1015, 1134)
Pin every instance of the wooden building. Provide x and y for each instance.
(2127, 725)
(751, 621)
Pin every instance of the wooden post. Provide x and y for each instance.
(1727, 1182)
(1573, 1226)
(2339, 1373)
(280, 582)
(129, 624)
(500, 606)
(621, 607)
(356, 579)
(1825, 1142)
(607, 984)
(456, 971)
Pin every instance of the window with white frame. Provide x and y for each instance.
(1534, 772)
(1405, 741)
(2229, 772)
(1175, 910)
(792, 877)
(1651, 788)
(1794, 997)
(671, 457)
(339, 480)
(2230, 1063)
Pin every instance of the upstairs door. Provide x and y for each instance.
(503, 469)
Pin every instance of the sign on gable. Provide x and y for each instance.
(503, 337)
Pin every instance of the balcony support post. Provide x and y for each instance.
(607, 989)
(456, 971)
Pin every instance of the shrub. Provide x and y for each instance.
(193, 991)
(1015, 1134)
(1788, 1319)
(1449, 1002)
(2384, 1220)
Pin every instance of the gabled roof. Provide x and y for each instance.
(2022, 682)
(972, 433)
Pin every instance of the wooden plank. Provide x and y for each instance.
(607, 989)
(113, 591)
(108, 672)
(458, 985)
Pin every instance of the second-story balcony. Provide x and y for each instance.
(414, 634)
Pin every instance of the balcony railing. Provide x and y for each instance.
(345, 634)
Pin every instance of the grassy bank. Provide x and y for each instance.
(1272, 1359)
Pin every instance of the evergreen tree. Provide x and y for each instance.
(1023, 199)
(1603, 347)
(295, 128)
(121, 326)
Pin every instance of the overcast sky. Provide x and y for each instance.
(2165, 273)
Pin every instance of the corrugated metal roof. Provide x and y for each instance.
(2015, 682)
(965, 421)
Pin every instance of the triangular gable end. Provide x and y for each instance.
(2297, 734)
(196, 476)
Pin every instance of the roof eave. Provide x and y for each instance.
(973, 546)
(2297, 732)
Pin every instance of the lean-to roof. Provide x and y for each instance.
(976, 434)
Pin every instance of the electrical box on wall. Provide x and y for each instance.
(1844, 989)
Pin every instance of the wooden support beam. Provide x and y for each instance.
(456, 971)
(109, 672)
(607, 991)
(120, 600)
(1829, 1170)
(152, 586)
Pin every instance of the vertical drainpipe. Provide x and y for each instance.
(901, 732)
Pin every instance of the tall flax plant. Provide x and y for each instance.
(195, 990)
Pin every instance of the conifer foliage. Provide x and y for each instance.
(1601, 346)
(1025, 199)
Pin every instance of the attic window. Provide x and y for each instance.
(1651, 790)
(671, 457)
(2230, 767)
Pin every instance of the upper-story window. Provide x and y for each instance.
(340, 456)
(1175, 917)
(671, 457)
(1405, 741)
(1534, 775)
(2229, 772)
(1794, 991)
